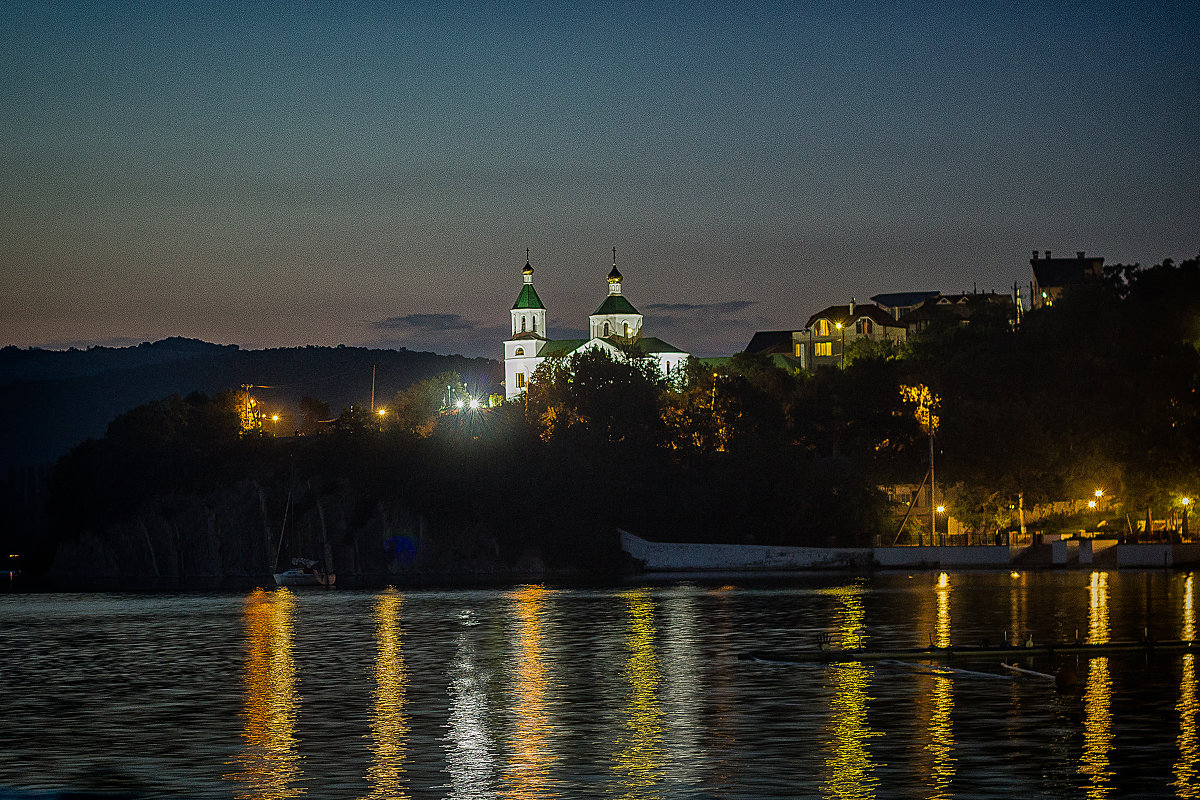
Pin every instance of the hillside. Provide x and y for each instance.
(51, 400)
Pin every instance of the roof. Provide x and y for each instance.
(1065, 271)
(842, 314)
(615, 304)
(652, 344)
(770, 342)
(555, 347)
(528, 298)
(902, 299)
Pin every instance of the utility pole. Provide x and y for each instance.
(932, 496)
(372, 388)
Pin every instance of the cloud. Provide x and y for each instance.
(426, 323)
(720, 309)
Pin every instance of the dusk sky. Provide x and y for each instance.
(289, 174)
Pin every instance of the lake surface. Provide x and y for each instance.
(635, 692)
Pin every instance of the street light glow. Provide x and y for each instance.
(1091, 503)
(274, 418)
(381, 411)
(459, 403)
(474, 403)
(1099, 493)
(1186, 501)
(941, 509)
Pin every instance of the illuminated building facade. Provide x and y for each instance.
(615, 322)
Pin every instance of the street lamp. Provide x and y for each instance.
(1186, 502)
(942, 510)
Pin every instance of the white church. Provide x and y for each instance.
(615, 321)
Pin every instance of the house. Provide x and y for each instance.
(1052, 275)
(954, 311)
(831, 330)
(614, 323)
(900, 303)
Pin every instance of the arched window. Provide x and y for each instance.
(520, 351)
(668, 367)
(535, 324)
(606, 329)
(626, 329)
(823, 327)
(522, 324)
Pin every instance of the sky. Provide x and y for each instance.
(279, 174)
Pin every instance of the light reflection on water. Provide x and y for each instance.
(1187, 781)
(389, 727)
(531, 743)
(1097, 730)
(639, 760)
(849, 769)
(636, 692)
(270, 762)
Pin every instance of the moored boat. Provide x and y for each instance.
(305, 572)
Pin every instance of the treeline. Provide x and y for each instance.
(1098, 391)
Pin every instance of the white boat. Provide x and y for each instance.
(699, 557)
(305, 572)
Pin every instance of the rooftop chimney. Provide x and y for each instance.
(851, 306)
(1035, 255)
(1047, 254)
(1079, 254)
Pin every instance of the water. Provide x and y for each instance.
(631, 692)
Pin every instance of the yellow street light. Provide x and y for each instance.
(381, 412)
(1091, 503)
(274, 418)
(941, 509)
(1099, 493)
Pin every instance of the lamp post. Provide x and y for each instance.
(841, 327)
(1187, 504)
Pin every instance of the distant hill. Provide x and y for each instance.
(51, 400)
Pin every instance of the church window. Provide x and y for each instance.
(668, 367)
(607, 330)
(520, 380)
(520, 351)
(522, 324)
(535, 324)
(627, 329)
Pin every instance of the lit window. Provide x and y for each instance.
(823, 349)
(799, 351)
(668, 367)
(627, 329)
(520, 380)
(520, 351)
(823, 327)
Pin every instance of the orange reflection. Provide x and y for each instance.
(1187, 779)
(1097, 699)
(529, 765)
(850, 770)
(640, 757)
(941, 729)
(389, 726)
(269, 766)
